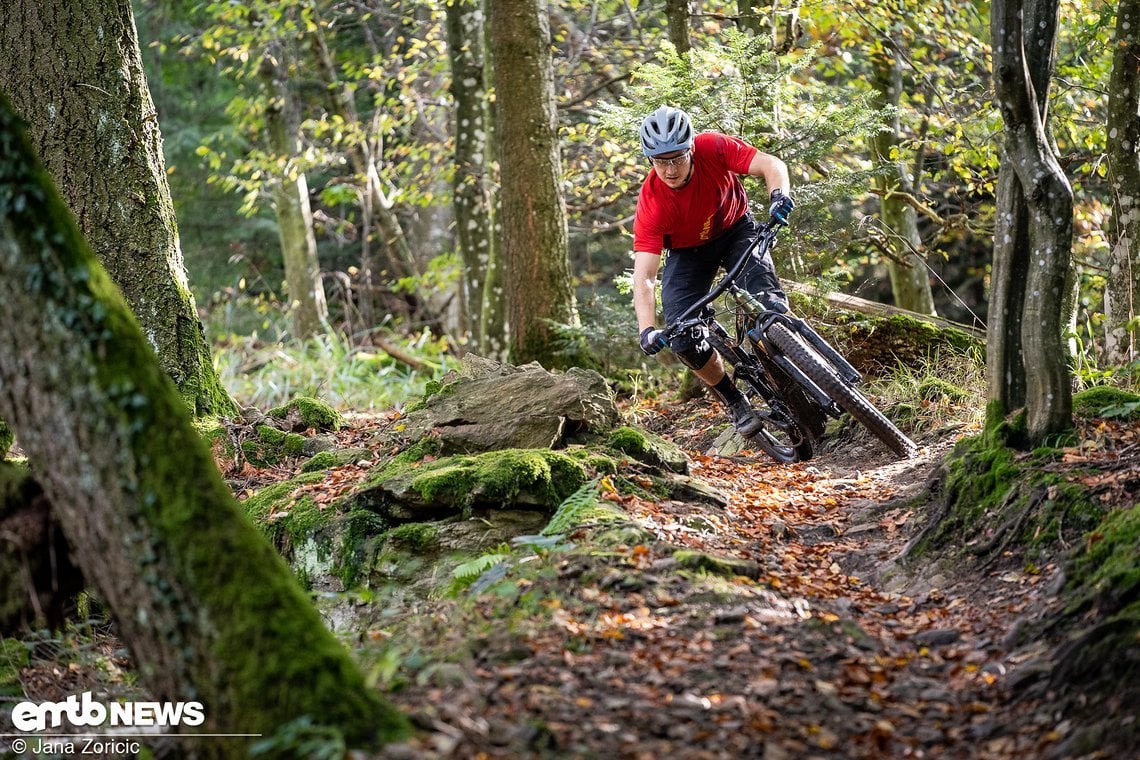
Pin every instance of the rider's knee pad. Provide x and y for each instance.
(695, 357)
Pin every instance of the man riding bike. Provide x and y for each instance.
(693, 204)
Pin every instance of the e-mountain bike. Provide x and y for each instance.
(793, 377)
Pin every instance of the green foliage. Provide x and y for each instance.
(345, 373)
(468, 572)
(302, 738)
(738, 85)
(571, 510)
(1108, 402)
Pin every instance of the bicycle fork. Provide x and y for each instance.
(842, 367)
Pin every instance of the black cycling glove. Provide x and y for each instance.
(652, 340)
(781, 206)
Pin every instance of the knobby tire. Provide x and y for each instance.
(847, 397)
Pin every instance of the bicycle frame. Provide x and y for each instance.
(692, 317)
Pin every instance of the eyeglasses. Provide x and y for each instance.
(664, 163)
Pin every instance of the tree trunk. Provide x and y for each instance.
(535, 248)
(290, 192)
(211, 613)
(73, 69)
(677, 16)
(1122, 292)
(1023, 64)
(493, 327)
(748, 16)
(910, 284)
(472, 195)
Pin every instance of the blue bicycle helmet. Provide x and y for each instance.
(666, 130)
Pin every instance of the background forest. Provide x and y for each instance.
(885, 117)
(276, 204)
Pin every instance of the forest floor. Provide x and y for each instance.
(818, 642)
(830, 648)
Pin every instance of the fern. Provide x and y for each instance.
(570, 511)
(469, 572)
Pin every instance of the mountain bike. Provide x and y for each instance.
(793, 377)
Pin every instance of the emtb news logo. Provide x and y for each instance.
(81, 710)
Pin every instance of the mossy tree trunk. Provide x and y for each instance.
(290, 193)
(1033, 235)
(535, 245)
(474, 220)
(209, 610)
(910, 284)
(74, 71)
(1122, 290)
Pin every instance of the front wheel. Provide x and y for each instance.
(847, 397)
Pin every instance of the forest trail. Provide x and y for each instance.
(826, 649)
(776, 623)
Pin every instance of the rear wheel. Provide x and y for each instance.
(846, 396)
(781, 438)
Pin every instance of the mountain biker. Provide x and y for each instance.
(693, 205)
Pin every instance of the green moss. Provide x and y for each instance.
(1106, 401)
(724, 567)
(414, 537)
(7, 437)
(540, 477)
(979, 475)
(311, 412)
(321, 461)
(272, 445)
(646, 447)
(13, 658)
(1106, 571)
(937, 390)
(279, 500)
(593, 461)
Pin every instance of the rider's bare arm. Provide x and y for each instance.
(645, 267)
(773, 170)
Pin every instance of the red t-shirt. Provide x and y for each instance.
(711, 202)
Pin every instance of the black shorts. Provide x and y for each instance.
(690, 272)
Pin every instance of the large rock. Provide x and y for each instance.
(489, 406)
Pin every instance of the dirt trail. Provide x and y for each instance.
(829, 649)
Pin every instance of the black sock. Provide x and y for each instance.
(727, 389)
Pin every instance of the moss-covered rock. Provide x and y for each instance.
(304, 413)
(414, 537)
(1106, 401)
(324, 460)
(328, 546)
(727, 567)
(649, 448)
(537, 478)
(272, 446)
